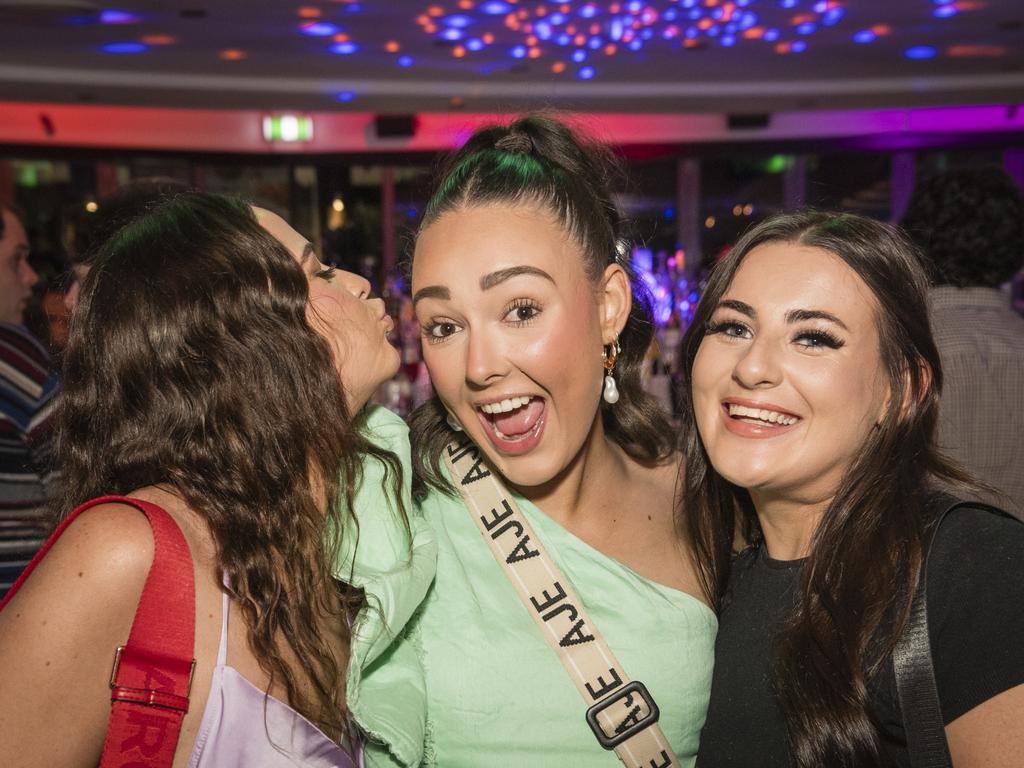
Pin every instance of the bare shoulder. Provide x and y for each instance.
(59, 632)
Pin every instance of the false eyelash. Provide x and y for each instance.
(326, 274)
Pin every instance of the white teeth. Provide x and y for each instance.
(505, 405)
(772, 417)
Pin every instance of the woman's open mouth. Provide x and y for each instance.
(513, 425)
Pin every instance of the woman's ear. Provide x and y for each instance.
(616, 300)
(914, 388)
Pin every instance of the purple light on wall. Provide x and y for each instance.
(110, 16)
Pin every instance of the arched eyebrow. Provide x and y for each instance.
(307, 251)
(793, 316)
(487, 282)
(492, 279)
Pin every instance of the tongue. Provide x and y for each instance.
(519, 421)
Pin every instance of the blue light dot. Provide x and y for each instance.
(405, 61)
(634, 6)
(771, 35)
(944, 11)
(728, 41)
(647, 34)
(495, 8)
(124, 48)
(864, 36)
(557, 18)
(821, 6)
(669, 212)
(788, 3)
(920, 52)
(636, 45)
(111, 16)
(717, 13)
(451, 33)
(345, 96)
(542, 30)
(564, 39)
(692, 32)
(354, 8)
(670, 14)
(807, 28)
(594, 43)
(833, 16)
(344, 49)
(459, 20)
(588, 11)
(615, 29)
(519, 52)
(712, 31)
(579, 55)
(586, 73)
(798, 46)
(730, 28)
(319, 29)
(475, 44)
(695, 14)
(689, 3)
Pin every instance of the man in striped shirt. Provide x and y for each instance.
(27, 387)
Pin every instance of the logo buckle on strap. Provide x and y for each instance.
(632, 695)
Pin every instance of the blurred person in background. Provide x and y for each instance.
(970, 225)
(27, 387)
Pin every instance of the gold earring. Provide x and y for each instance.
(610, 354)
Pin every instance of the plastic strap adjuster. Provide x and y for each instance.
(626, 691)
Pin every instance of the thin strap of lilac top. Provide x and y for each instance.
(243, 726)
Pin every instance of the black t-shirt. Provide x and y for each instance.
(975, 624)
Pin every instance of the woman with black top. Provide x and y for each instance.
(809, 442)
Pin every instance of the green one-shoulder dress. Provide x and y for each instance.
(496, 694)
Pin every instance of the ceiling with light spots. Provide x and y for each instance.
(403, 56)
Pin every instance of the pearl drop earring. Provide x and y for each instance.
(610, 355)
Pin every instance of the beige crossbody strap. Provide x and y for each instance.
(621, 713)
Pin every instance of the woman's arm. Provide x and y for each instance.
(58, 636)
(992, 734)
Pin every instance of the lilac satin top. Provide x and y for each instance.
(243, 726)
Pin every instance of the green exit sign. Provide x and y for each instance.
(288, 128)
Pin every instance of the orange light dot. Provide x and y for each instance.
(571, 29)
(465, 4)
(610, 49)
(158, 39)
(971, 51)
(690, 42)
(341, 37)
(534, 53)
(524, 14)
(422, 19)
(882, 30)
(392, 46)
(531, 40)
(558, 66)
(232, 54)
(802, 18)
(782, 48)
(430, 29)
(704, 23)
(458, 51)
(542, 10)
(309, 12)
(614, 8)
(595, 28)
(435, 10)
(488, 38)
(754, 33)
(580, 39)
(565, 7)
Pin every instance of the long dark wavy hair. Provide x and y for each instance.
(191, 365)
(865, 556)
(538, 160)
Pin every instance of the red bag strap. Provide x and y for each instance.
(152, 673)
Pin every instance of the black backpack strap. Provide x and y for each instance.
(912, 664)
